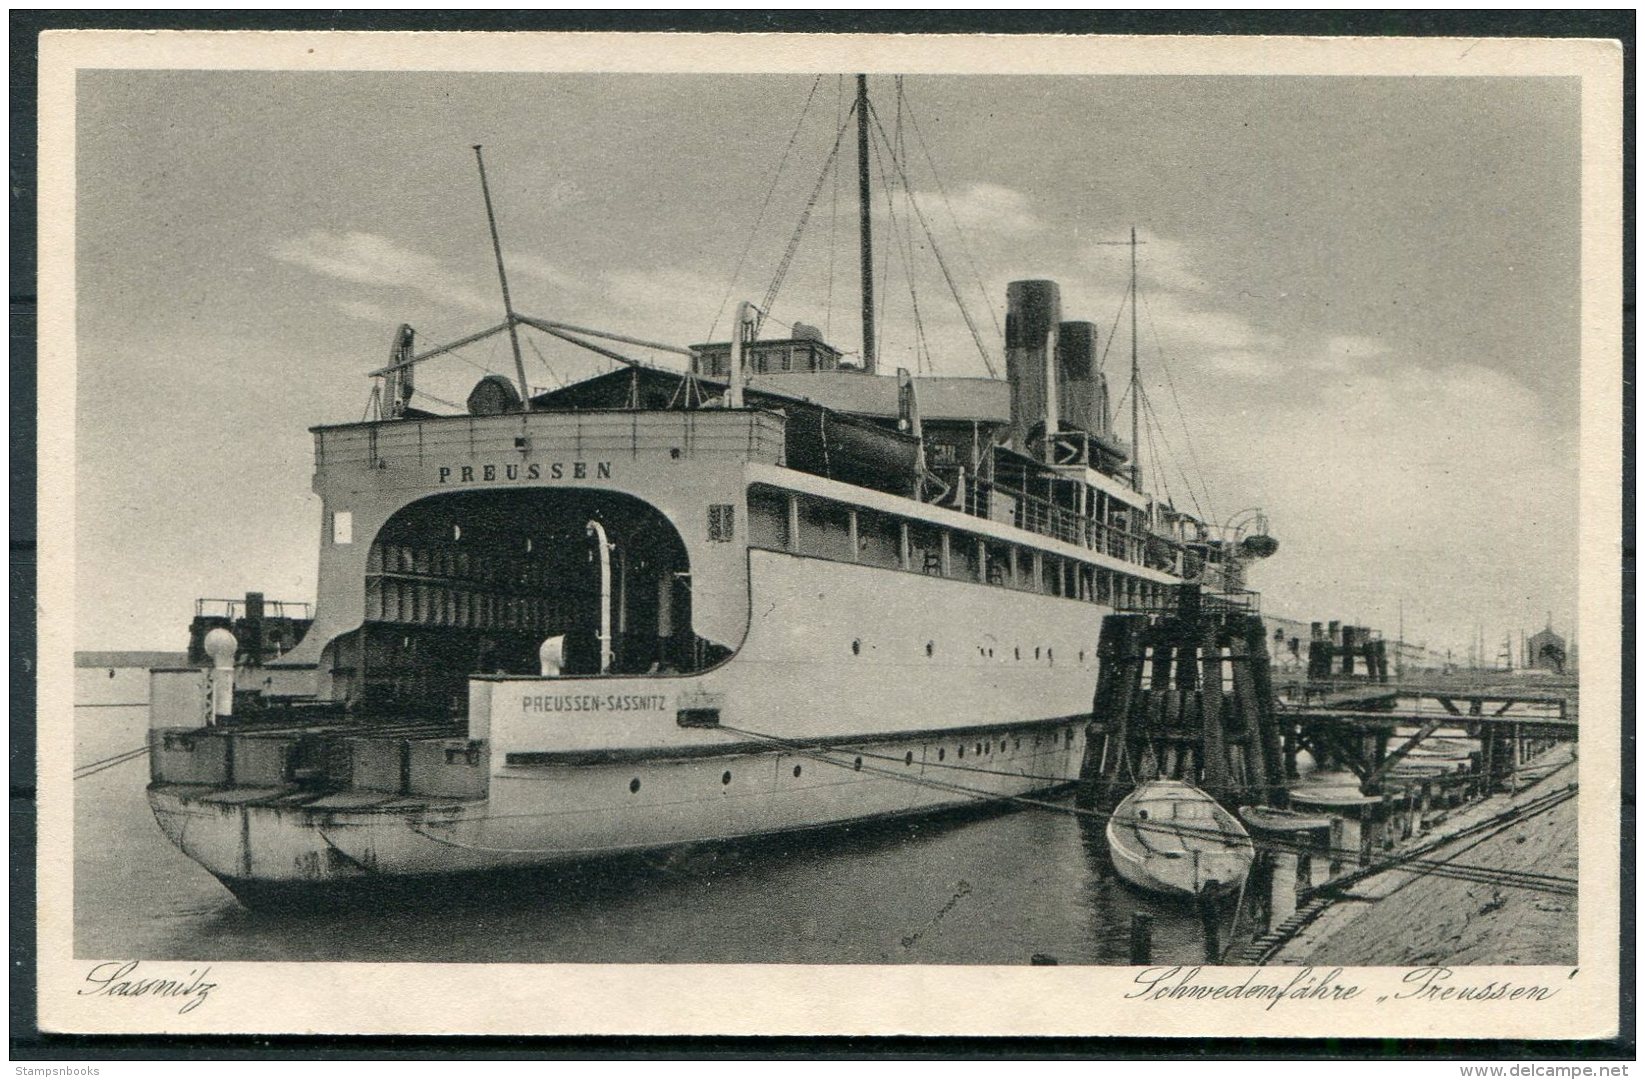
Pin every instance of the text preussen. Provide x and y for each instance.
(567, 703)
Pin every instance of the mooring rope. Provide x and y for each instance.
(1437, 867)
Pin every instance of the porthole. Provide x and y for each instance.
(634, 785)
(725, 777)
(1017, 651)
(1018, 745)
(1036, 652)
(1082, 656)
(941, 753)
(908, 758)
(857, 765)
(930, 647)
(856, 646)
(796, 770)
(962, 751)
(1048, 655)
(979, 748)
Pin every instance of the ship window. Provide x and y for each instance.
(768, 519)
(967, 556)
(797, 770)
(825, 530)
(857, 765)
(342, 527)
(925, 548)
(941, 753)
(721, 522)
(879, 540)
(998, 569)
(725, 777)
(908, 758)
(634, 785)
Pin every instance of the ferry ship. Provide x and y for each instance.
(765, 589)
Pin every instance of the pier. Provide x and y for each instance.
(1405, 776)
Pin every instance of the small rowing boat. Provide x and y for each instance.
(1170, 837)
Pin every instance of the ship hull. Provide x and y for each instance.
(265, 843)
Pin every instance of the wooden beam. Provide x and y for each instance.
(1404, 748)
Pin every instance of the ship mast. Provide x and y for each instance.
(864, 227)
(1136, 413)
(502, 276)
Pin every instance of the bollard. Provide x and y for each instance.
(1142, 938)
(1282, 888)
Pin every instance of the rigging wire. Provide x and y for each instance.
(884, 295)
(1153, 451)
(1113, 329)
(1170, 451)
(448, 404)
(965, 247)
(903, 238)
(834, 210)
(1171, 383)
(555, 375)
(765, 205)
(793, 245)
(942, 264)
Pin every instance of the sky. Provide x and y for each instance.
(1359, 295)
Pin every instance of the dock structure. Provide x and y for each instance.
(1337, 645)
(1188, 696)
(1372, 731)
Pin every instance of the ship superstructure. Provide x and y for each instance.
(765, 589)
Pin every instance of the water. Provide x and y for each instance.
(989, 888)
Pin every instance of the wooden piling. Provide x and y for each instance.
(1210, 923)
(1142, 938)
(1282, 888)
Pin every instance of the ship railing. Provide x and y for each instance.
(1037, 514)
(212, 607)
(1180, 598)
(754, 435)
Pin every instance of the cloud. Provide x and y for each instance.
(1245, 365)
(537, 268)
(1162, 262)
(365, 311)
(368, 259)
(1346, 352)
(1393, 482)
(981, 207)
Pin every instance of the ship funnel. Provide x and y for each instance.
(1082, 393)
(1033, 310)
